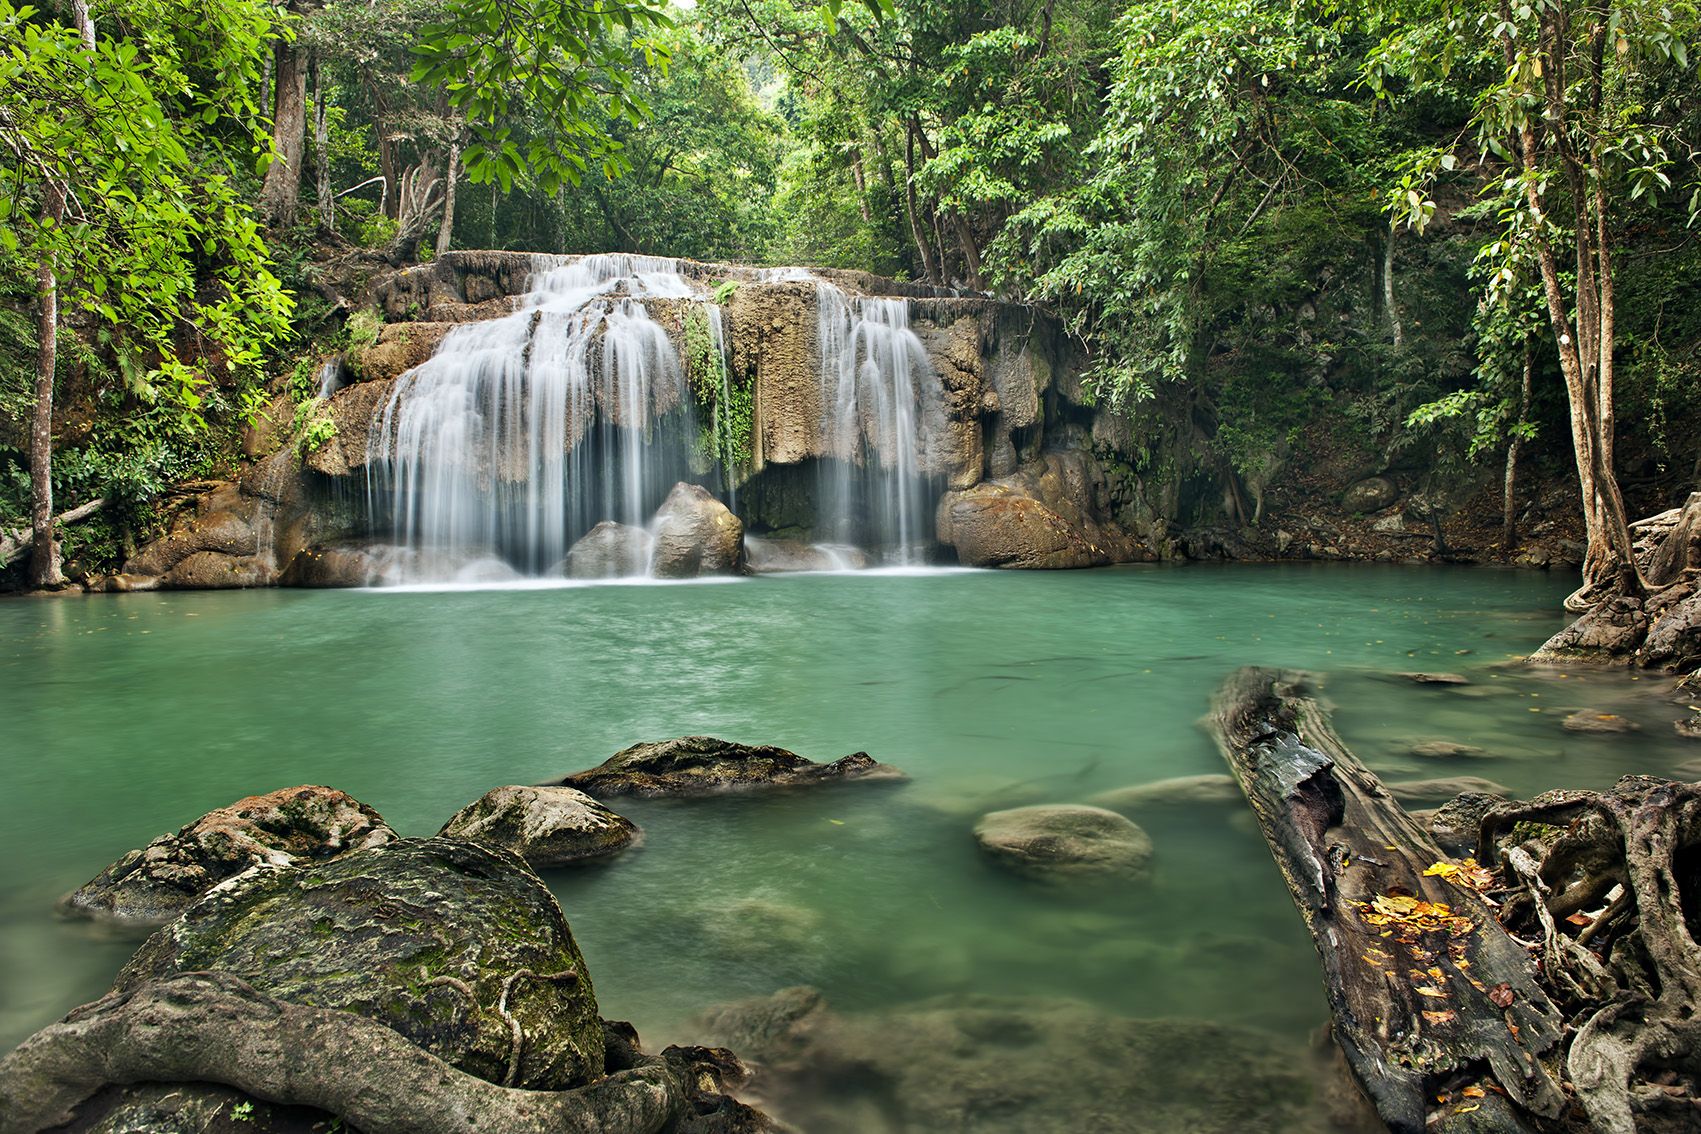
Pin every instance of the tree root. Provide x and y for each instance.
(1632, 971)
(215, 1028)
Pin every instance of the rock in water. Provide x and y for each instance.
(546, 826)
(1439, 790)
(993, 526)
(1436, 678)
(1456, 823)
(1178, 791)
(444, 941)
(151, 886)
(1010, 1065)
(1062, 842)
(1588, 720)
(703, 765)
(695, 535)
(610, 551)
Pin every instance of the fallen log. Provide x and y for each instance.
(215, 1028)
(14, 543)
(1436, 1008)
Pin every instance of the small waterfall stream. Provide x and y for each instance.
(522, 433)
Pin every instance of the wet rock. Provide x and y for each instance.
(214, 571)
(332, 567)
(703, 765)
(696, 535)
(1371, 494)
(158, 882)
(1063, 842)
(1455, 823)
(1436, 678)
(1689, 728)
(1009, 1065)
(1611, 632)
(775, 556)
(991, 526)
(609, 551)
(1680, 548)
(400, 348)
(1179, 791)
(1438, 790)
(1437, 749)
(765, 930)
(430, 937)
(546, 826)
(1673, 642)
(223, 533)
(1588, 720)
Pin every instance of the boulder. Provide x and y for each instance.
(1372, 494)
(1674, 632)
(1589, 720)
(332, 567)
(1179, 791)
(1015, 1065)
(1441, 750)
(1063, 842)
(1436, 678)
(546, 826)
(1456, 823)
(1610, 632)
(456, 945)
(993, 526)
(1439, 790)
(1689, 727)
(703, 765)
(775, 556)
(695, 535)
(155, 884)
(609, 551)
(222, 532)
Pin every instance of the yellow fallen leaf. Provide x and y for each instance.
(1474, 1093)
(1426, 990)
(1468, 1109)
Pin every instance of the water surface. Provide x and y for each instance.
(128, 715)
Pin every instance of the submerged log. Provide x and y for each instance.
(1436, 1008)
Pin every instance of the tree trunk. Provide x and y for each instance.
(1412, 988)
(321, 151)
(1509, 502)
(1389, 310)
(85, 23)
(44, 561)
(929, 263)
(281, 194)
(446, 231)
(971, 253)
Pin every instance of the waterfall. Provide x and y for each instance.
(522, 432)
(875, 375)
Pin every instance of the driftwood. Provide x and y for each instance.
(13, 544)
(1436, 1008)
(215, 1028)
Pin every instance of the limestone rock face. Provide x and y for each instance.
(400, 348)
(695, 535)
(222, 533)
(703, 765)
(1063, 842)
(430, 937)
(546, 826)
(609, 551)
(1048, 514)
(332, 567)
(158, 882)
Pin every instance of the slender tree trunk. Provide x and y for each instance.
(44, 560)
(1509, 506)
(321, 151)
(1389, 310)
(85, 23)
(446, 231)
(280, 196)
(971, 253)
(929, 264)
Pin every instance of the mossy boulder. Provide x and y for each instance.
(546, 826)
(1065, 842)
(453, 944)
(705, 765)
(149, 887)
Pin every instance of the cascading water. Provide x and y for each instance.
(879, 388)
(522, 432)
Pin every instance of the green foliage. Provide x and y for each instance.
(361, 330)
(313, 426)
(728, 406)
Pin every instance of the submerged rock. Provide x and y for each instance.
(776, 556)
(1439, 790)
(695, 535)
(153, 885)
(1009, 1065)
(443, 940)
(1062, 842)
(1441, 750)
(703, 765)
(1179, 791)
(609, 551)
(546, 826)
(1689, 727)
(1589, 720)
(1436, 678)
(1456, 823)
